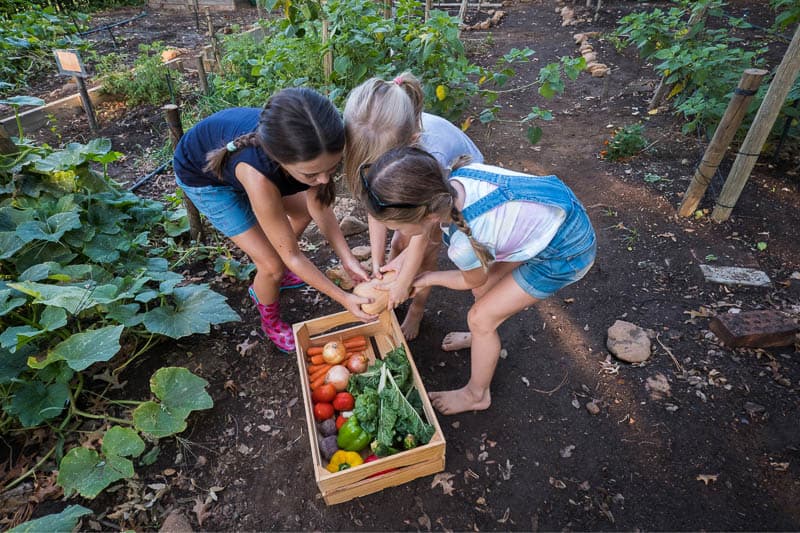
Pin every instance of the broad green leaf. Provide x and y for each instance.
(22, 101)
(176, 387)
(102, 248)
(86, 472)
(196, 308)
(123, 442)
(63, 522)
(81, 350)
(10, 300)
(54, 271)
(73, 298)
(34, 402)
(126, 314)
(10, 244)
(159, 421)
(53, 318)
(16, 336)
(12, 364)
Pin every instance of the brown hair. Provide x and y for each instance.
(296, 125)
(380, 115)
(409, 175)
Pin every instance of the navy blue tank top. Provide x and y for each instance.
(215, 132)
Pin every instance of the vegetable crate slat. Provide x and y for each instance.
(385, 472)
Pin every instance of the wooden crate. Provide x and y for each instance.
(410, 464)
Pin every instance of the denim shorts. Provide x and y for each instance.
(226, 208)
(562, 263)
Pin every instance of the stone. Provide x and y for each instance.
(628, 342)
(362, 253)
(340, 276)
(350, 225)
(593, 408)
(175, 522)
(735, 276)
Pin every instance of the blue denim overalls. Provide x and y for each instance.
(570, 253)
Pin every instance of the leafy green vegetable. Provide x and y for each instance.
(387, 403)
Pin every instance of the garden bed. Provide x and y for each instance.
(715, 448)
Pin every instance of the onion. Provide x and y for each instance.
(357, 363)
(338, 377)
(334, 352)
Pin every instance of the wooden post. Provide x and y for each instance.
(762, 124)
(462, 14)
(7, 146)
(201, 73)
(737, 109)
(327, 59)
(87, 103)
(213, 37)
(172, 114)
(387, 9)
(428, 7)
(663, 87)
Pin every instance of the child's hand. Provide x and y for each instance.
(395, 264)
(399, 292)
(354, 268)
(352, 303)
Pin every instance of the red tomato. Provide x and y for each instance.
(344, 401)
(323, 411)
(325, 393)
(340, 420)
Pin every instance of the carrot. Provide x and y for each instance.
(313, 369)
(319, 382)
(352, 342)
(314, 350)
(321, 372)
(317, 360)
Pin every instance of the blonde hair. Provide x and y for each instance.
(411, 176)
(380, 115)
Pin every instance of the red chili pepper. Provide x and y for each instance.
(374, 457)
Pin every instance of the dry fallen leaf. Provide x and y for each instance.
(705, 478)
(444, 479)
(201, 510)
(244, 347)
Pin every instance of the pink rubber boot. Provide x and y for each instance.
(278, 331)
(291, 280)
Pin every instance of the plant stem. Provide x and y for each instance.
(30, 471)
(143, 349)
(78, 412)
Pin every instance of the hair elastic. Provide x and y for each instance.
(231, 146)
(398, 80)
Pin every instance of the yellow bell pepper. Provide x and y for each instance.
(342, 460)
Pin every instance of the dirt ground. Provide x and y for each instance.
(719, 451)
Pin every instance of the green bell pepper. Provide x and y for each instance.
(352, 436)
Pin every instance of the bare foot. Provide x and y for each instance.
(457, 401)
(456, 340)
(410, 325)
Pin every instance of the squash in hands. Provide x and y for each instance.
(380, 298)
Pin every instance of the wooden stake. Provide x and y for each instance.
(737, 109)
(213, 37)
(201, 73)
(327, 59)
(762, 124)
(7, 146)
(172, 114)
(462, 14)
(87, 103)
(387, 9)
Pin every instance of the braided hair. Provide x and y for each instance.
(412, 176)
(296, 125)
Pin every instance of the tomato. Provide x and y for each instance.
(323, 411)
(340, 420)
(325, 393)
(344, 401)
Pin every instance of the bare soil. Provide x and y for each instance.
(719, 451)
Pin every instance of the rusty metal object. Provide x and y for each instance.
(755, 329)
